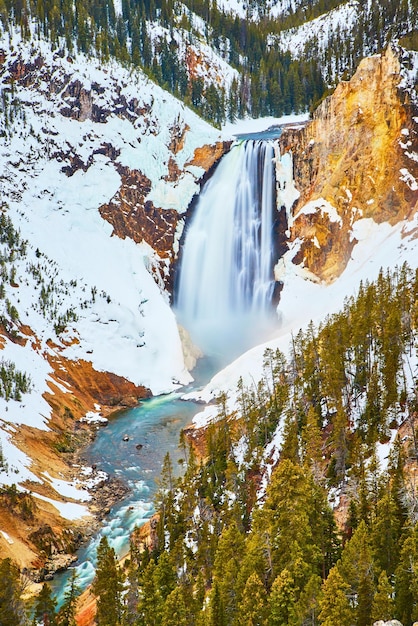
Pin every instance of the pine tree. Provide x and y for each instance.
(286, 522)
(282, 600)
(175, 612)
(383, 607)
(339, 444)
(307, 607)
(406, 580)
(312, 439)
(386, 534)
(227, 565)
(356, 568)
(216, 609)
(11, 606)
(334, 605)
(67, 612)
(164, 503)
(107, 586)
(45, 606)
(252, 609)
(131, 597)
(150, 605)
(397, 476)
(165, 575)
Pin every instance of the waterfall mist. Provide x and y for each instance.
(225, 283)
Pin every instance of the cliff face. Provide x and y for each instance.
(357, 155)
(131, 213)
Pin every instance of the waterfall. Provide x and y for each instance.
(225, 283)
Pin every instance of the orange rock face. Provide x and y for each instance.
(89, 387)
(79, 388)
(352, 154)
(207, 156)
(131, 215)
(86, 614)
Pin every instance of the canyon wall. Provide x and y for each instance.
(357, 155)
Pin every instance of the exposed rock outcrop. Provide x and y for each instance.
(131, 215)
(130, 211)
(355, 155)
(37, 537)
(89, 387)
(207, 156)
(80, 134)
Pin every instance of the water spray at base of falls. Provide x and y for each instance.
(226, 283)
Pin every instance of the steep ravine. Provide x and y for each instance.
(77, 389)
(354, 157)
(82, 140)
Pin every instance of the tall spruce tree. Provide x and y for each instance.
(383, 607)
(175, 611)
(107, 586)
(11, 606)
(282, 600)
(252, 610)
(67, 612)
(406, 579)
(45, 607)
(334, 605)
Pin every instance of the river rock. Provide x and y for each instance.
(106, 494)
(56, 563)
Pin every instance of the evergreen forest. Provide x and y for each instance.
(157, 35)
(293, 515)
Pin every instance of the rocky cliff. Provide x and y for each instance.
(357, 158)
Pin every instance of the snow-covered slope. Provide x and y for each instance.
(302, 300)
(338, 22)
(69, 128)
(340, 37)
(199, 59)
(255, 10)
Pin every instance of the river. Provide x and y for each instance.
(156, 425)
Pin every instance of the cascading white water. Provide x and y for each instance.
(226, 281)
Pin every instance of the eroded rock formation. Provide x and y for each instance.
(357, 155)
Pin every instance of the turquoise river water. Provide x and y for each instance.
(156, 425)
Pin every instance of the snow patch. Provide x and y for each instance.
(409, 179)
(320, 206)
(7, 537)
(67, 510)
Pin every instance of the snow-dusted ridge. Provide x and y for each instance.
(344, 26)
(271, 8)
(340, 20)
